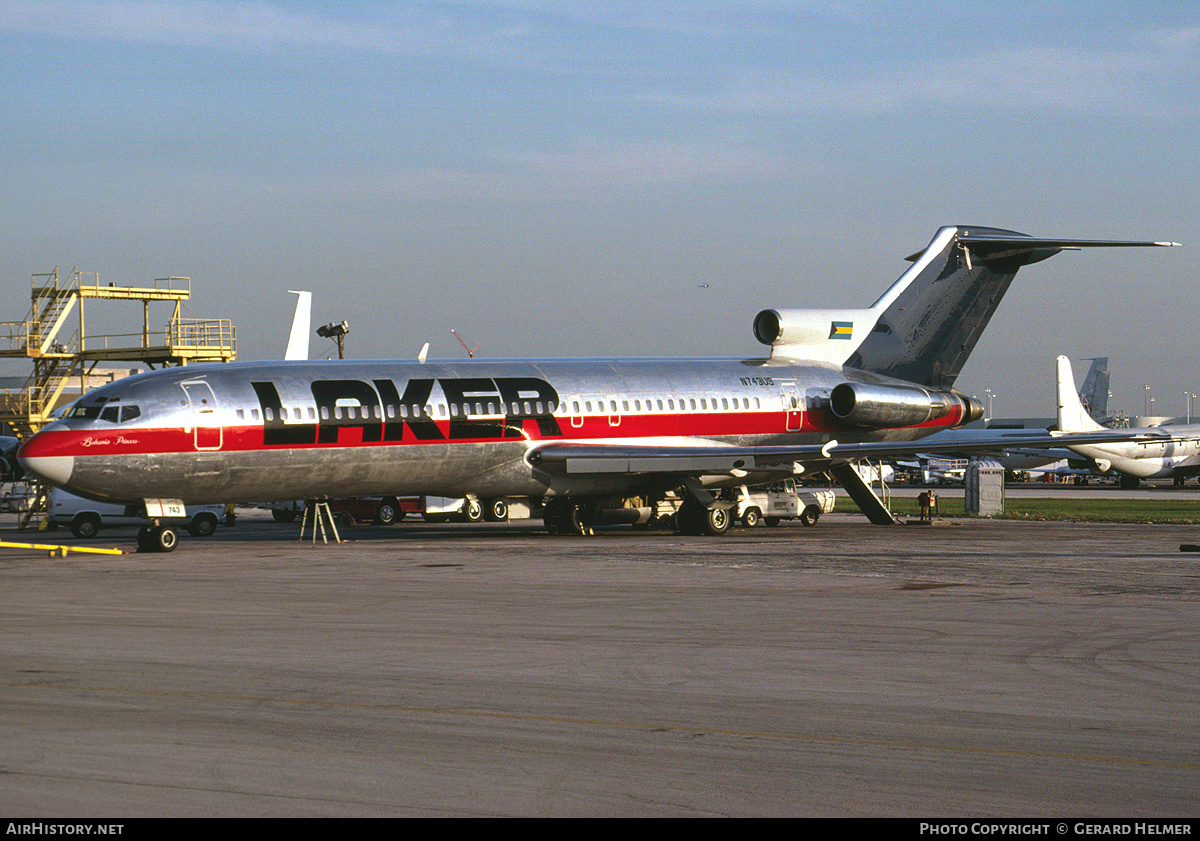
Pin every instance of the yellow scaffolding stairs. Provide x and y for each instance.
(59, 356)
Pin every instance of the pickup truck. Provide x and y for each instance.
(779, 501)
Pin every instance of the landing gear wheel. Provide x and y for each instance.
(552, 511)
(771, 521)
(1130, 483)
(495, 511)
(697, 520)
(687, 518)
(157, 539)
(564, 517)
(579, 520)
(717, 521)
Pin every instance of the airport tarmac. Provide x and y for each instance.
(970, 669)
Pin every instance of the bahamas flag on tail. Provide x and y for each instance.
(841, 329)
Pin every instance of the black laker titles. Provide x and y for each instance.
(375, 408)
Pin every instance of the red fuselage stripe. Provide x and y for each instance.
(249, 437)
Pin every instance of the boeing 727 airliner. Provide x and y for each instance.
(838, 386)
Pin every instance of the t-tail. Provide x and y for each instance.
(926, 324)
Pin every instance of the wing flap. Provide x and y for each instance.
(631, 459)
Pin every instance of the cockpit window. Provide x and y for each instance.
(113, 412)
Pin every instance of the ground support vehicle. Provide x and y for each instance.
(781, 501)
(441, 509)
(85, 519)
(380, 511)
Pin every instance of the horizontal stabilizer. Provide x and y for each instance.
(925, 326)
(1017, 250)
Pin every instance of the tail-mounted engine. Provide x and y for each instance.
(821, 335)
(886, 406)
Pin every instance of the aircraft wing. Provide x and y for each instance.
(582, 458)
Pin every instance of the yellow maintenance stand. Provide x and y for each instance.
(61, 354)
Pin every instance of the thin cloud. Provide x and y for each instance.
(591, 167)
(251, 26)
(1075, 78)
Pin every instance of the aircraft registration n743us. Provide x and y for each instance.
(838, 386)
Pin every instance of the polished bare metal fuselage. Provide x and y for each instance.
(215, 433)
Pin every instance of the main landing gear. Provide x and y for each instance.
(568, 516)
(580, 517)
(694, 518)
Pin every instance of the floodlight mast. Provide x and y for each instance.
(338, 331)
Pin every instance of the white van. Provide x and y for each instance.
(86, 517)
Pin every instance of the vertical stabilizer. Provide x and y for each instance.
(1094, 393)
(297, 346)
(1072, 417)
(928, 322)
(930, 319)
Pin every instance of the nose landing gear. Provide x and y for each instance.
(157, 538)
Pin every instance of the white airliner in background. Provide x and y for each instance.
(1013, 455)
(1169, 451)
(582, 434)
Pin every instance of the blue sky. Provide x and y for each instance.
(559, 178)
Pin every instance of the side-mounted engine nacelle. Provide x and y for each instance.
(822, 335)
(886, 406)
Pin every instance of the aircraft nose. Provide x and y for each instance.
(40, 460)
